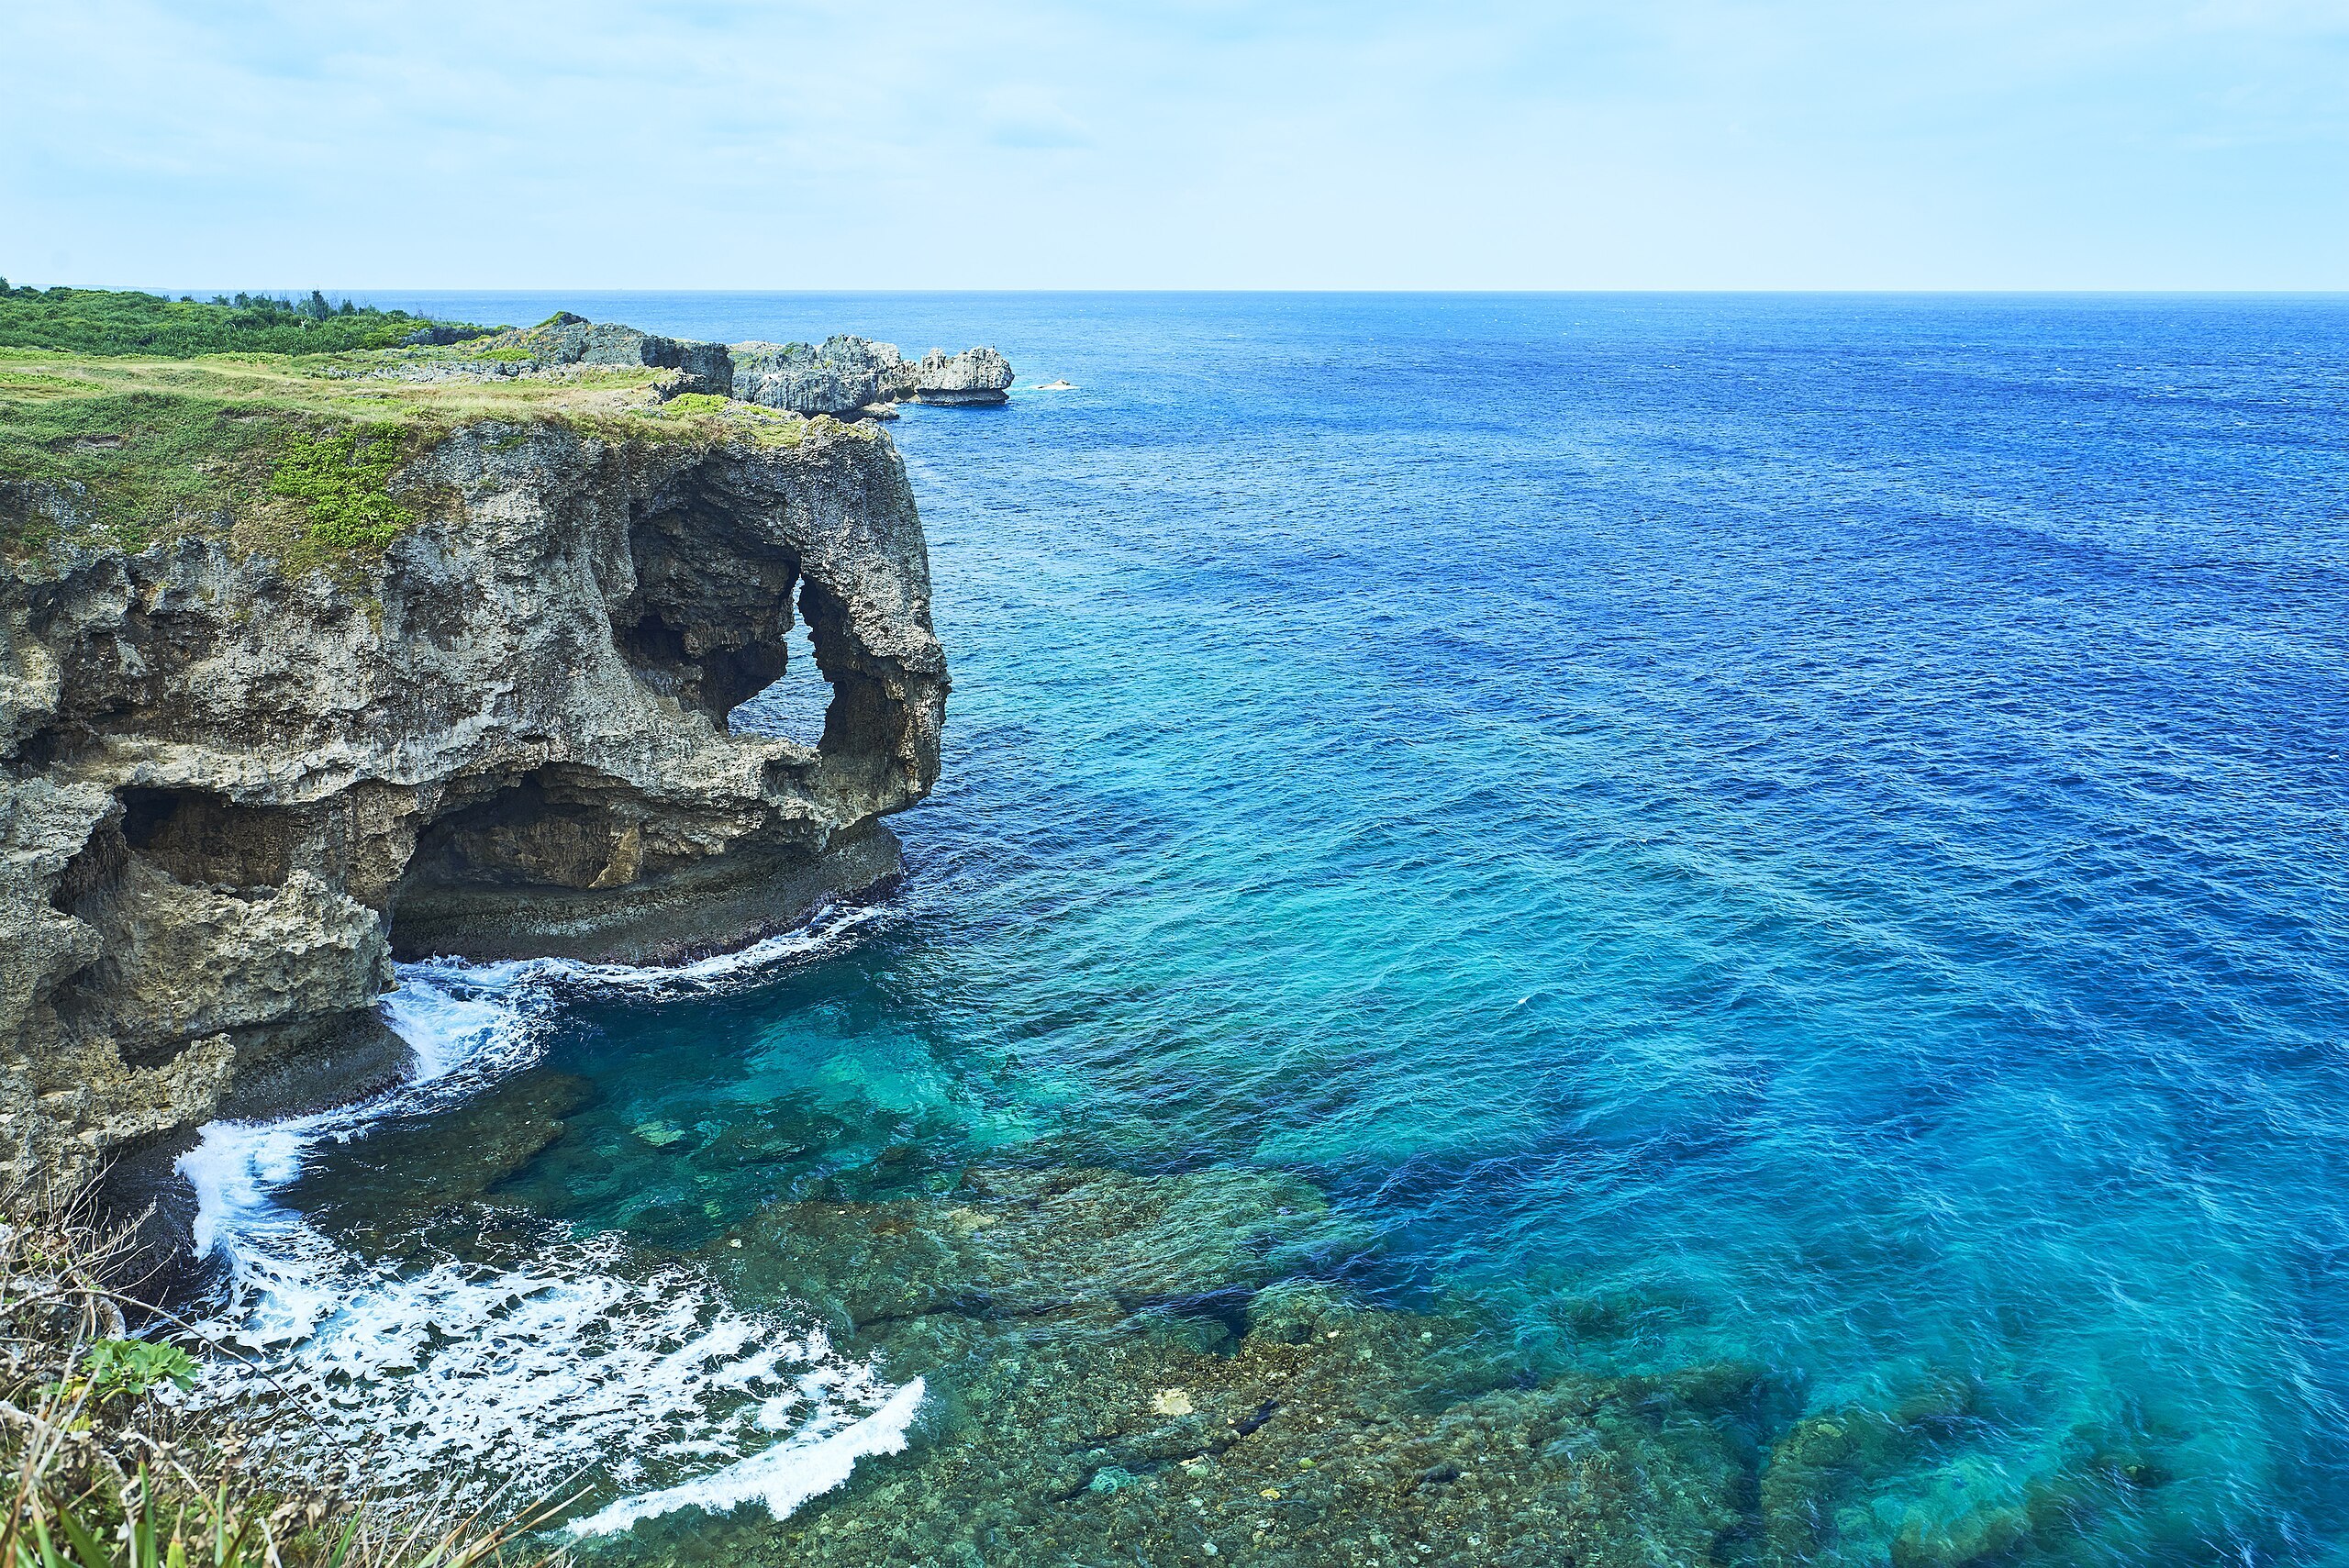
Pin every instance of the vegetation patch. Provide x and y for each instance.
(116, 1369)
(33, 384)
(343, 481)
(132, 466)
(122, 321)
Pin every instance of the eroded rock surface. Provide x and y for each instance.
(844, 377)
(233, 792)
(837, 376)
(974, 375)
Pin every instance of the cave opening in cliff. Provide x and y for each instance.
(823, 699)
(552, 826)
(704, 625)
(202, 838)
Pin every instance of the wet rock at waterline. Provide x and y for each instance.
(407, 1169)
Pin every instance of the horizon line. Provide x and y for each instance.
(179, 290)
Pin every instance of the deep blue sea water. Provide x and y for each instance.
(1800, 828)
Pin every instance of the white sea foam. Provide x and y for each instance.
(458, 1377)
(806, 1465)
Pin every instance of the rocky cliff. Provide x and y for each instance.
(843, 377)
(235, 788)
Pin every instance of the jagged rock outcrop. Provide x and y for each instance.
(844, 377)
(568, 339)
(441, 336)
(837, 376)
(564, 342)
(233, 792)
(974, 375)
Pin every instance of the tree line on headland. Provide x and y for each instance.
(122, 321)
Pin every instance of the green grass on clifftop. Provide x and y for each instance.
(297, 455)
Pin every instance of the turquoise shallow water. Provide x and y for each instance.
(1802, 830)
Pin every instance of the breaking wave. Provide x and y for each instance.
(584, 1367)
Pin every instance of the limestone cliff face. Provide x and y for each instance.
(232, 794)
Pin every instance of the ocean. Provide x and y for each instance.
(1726, 917)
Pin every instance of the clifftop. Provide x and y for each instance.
(295, 455)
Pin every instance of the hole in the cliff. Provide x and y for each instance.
(205, 839)
(550, 827)
(713, 676)
(657, 649)
(705, 623)
(793, 706)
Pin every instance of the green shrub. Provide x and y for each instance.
(121, 321)
(132, 1369)
(344, 479)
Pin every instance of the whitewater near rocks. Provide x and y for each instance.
(575, 1363)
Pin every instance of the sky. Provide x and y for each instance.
(783, 144)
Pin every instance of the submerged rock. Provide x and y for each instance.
(409, 1166)
(1131, 1369)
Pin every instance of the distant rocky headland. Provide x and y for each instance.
(842, 377)
(307, 659)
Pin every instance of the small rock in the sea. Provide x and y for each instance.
(1172, 1402)
(734, 1241)
(660, 1134)
(1112, 1478)
(1272, 1492)
(1208, 1548)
